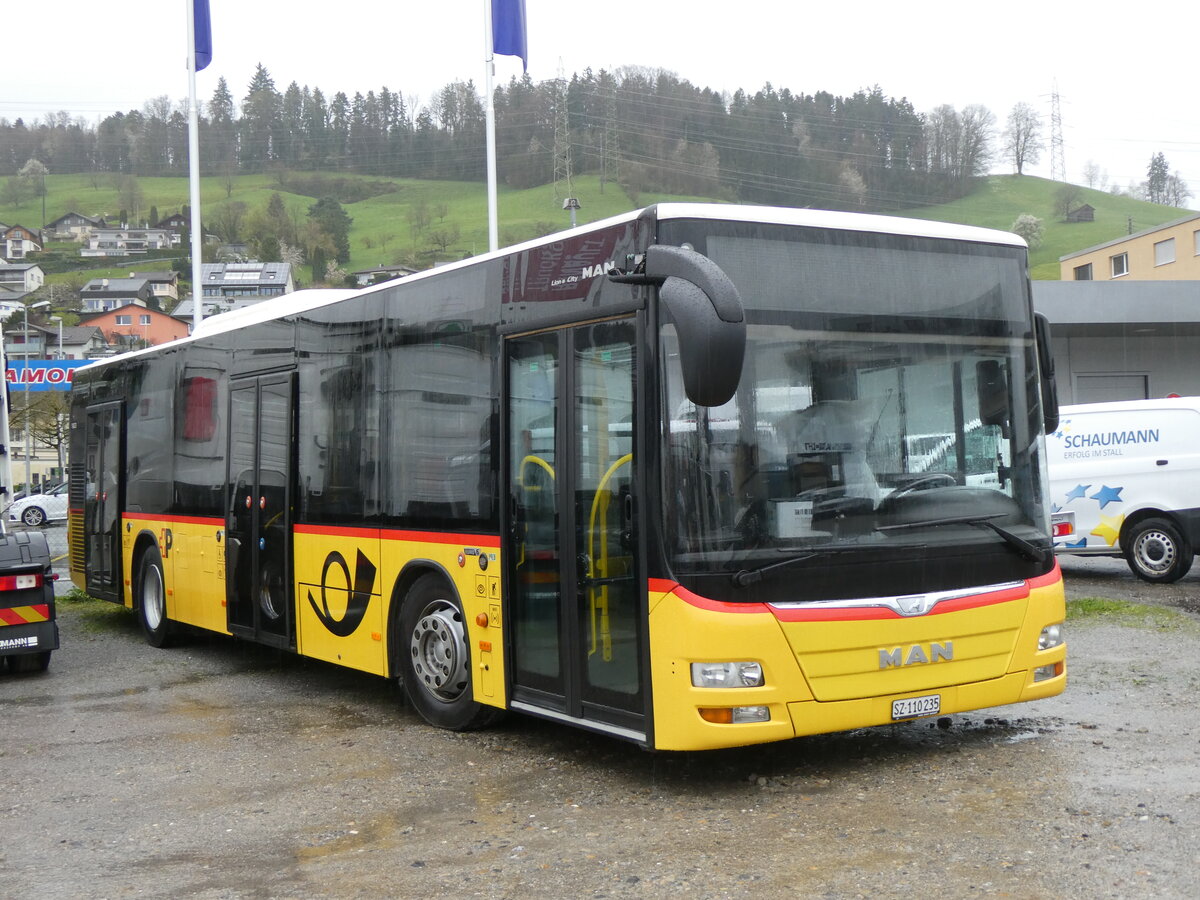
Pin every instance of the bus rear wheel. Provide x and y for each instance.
(435, 660)
(1157, 551)
(152, 600)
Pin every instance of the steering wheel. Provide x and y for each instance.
(920, 484)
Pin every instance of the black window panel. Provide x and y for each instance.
(339, 411)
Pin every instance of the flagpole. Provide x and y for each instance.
(489, 106)
(194, 168)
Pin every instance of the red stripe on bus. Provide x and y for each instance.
(816, 614)
(672, 587)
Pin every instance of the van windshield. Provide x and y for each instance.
(887, 411)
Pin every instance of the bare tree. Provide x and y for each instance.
(1177, 192)
(1094, 176)
(1065, 199)
(1022, 136)
(227, 221)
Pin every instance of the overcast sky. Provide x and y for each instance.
(1125, 90)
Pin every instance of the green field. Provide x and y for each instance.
(382, 234)
(1001, 198)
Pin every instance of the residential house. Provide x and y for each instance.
(242, 283)
(176, 223)
(133, 325)
(73, 227)
(78, 342)
(126, 241)
(21, 276)
(102, 294)
(17, 242)
(165, 286)
(20, 342)
(1169, 252)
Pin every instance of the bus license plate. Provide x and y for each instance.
(912, 707)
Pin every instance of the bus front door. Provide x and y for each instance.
(576, 613)
(104, 463)
(258, 515)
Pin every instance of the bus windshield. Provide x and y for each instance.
(884, 437)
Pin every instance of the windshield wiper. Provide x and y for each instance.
(747, 577)
(1022, 546)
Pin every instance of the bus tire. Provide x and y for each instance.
(152, 600)
(435, 659)
(1157, 551)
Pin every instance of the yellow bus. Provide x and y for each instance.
(663, 477)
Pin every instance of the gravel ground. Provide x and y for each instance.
(222, 770)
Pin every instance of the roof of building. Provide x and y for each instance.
(1081, 308)
(245, 273)
(114, 285)
(156, 276)
(1130, 237)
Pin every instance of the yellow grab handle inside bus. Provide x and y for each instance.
(598, 563)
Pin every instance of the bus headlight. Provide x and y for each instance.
(727, 675)
(1051, 636)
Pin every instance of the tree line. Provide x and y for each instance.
(643, 129)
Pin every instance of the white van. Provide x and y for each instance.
(1125, 481)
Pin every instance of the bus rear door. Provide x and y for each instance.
(104, 464)
(258, 516)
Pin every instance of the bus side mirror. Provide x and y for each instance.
(708, 313)
(1049, 383)
(992, 389)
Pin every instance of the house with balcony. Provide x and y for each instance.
(126, 241)
(21, 277)
(163, 285)
(240, 283)
(73, 227)
(77, 341)
(17, 242)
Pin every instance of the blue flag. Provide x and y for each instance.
(203, 26)
(508, 30)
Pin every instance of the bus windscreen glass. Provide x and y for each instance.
(884, 438)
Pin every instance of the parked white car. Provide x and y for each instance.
(39, 509)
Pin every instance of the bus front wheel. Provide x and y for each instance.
(435, 660)
(1157, 551)
(152, 600)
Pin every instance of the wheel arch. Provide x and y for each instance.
(413, 571)
(1138, 516)
(143, 542)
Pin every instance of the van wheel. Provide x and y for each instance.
(152, 600)
(1157, 551)
(435, 662)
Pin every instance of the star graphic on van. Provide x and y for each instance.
(1107, 495)
(1078, 492)
(1109, 529)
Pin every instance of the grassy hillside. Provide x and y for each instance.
(382, 232)
(1001, 198)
